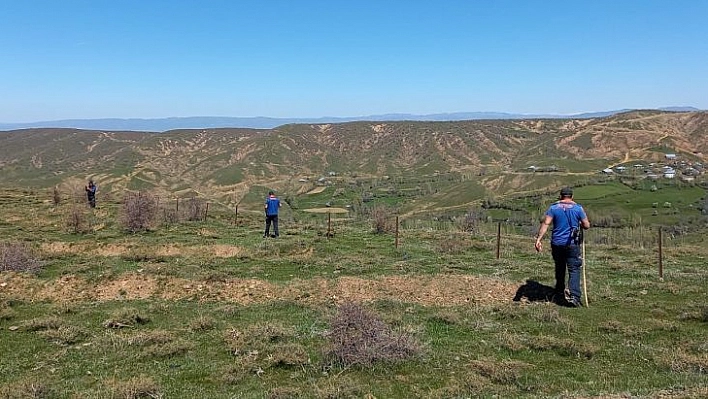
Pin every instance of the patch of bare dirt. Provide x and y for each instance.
(220, 251)
(317, 190)
(440, 290)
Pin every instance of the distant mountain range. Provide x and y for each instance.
(204, 122)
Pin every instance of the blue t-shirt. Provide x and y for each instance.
(566, 216)
(272, 204)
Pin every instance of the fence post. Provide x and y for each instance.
(329, 224)
(206, 212)
(661, 257)
(177, 205)
(396, 244)
(498, 239)
(236, 216)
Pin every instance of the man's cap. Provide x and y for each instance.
(271, 192)
(566, 192)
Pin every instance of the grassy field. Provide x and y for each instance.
(210, 309)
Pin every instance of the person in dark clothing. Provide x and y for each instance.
(91, 193)
(568, 219)
(272, 205)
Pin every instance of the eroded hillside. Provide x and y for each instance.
(225, 164)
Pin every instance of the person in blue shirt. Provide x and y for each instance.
(569, 219)
(272, 204)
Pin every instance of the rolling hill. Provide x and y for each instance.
(489, 157)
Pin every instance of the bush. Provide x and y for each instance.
(195, 209)
(472, 219)
(170, 216)
(382, 220)
(75, 219)
(360, 338)
(139, 211)
(18, 257)
(56, 197)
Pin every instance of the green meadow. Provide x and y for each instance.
(349, 305)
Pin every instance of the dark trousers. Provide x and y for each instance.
(568, 257)
(271, 219)
(92, 200)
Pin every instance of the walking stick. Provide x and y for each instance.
(585, 287)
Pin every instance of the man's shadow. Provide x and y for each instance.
(533, 291)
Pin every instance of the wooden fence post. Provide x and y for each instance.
(661, 256)
(498, 239)
(206, 212)
(396, 244)
(329, 224)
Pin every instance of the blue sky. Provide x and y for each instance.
(310, 58)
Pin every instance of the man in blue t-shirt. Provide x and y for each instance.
(568, 219)
(272, 204)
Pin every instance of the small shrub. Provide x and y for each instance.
(56, 196)
(76, 220)
(195, 209)
(472, 219)
(360, 338)
(170, 216)
(18, 257)
(139, 211)
(383, 220)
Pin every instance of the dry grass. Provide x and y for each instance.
(339, 388)
(125, 317)
(616, 327)
(18, 257)
(543, 343)
(289, 355)
(31, 388)
(202, 323)
(682, 360)
(134, 388)
(6, 312)
(42, 323)
(499, 372)
(65, 335)
(452, 246)
(256, 339)
(285, 393)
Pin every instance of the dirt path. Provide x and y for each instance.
(440, 290)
